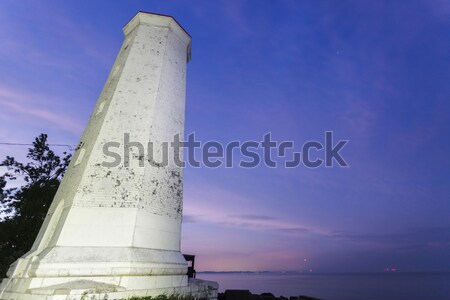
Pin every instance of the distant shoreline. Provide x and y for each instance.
(320, 273)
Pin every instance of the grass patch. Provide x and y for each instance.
(159, 297)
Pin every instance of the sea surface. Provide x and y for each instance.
(364, 286)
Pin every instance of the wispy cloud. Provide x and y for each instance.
(65, 40)
(253, 217)
(235, 12)
(200, 210)
(79, 34)
(415, 238)
(189, 218)
(36, 108)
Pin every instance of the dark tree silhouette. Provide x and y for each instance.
(23, 209)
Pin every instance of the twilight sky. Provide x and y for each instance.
(376, 73)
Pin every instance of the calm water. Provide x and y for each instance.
(383, 286)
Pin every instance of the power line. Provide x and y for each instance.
(71, 147)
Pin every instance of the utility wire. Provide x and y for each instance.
(71, 147)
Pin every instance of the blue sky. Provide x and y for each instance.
(374, 72)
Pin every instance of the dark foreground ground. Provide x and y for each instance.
(247, 295)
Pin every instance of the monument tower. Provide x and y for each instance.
(116, 230)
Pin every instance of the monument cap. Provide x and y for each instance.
(160, 20)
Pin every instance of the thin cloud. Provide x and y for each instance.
(294, 230)
(189, 218)
(253, 217)
(31, 105)
(226, 216)
(414, 238)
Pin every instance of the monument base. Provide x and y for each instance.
(111, 288)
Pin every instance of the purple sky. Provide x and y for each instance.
(376, 73)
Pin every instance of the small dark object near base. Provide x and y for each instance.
(191, 273)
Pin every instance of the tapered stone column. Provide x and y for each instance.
(116, 228)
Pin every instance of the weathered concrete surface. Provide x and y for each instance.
(118, 230)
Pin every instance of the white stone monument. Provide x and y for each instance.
(117, 230)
